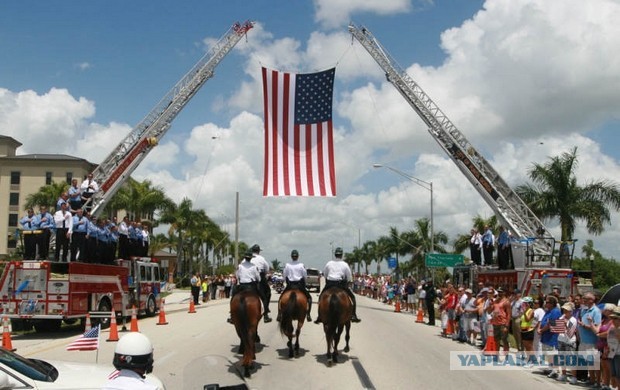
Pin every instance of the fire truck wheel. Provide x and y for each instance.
(150, 307)
(105, 307)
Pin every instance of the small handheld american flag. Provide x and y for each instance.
(89, 341)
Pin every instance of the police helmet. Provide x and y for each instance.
(338, 251)
(134, 351)
(248, 254)
(294, 253)
(255, 248)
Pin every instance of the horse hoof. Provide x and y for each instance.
(346, 349)
(290, 354)
(329, 363)
(246, 373)
(257, 339)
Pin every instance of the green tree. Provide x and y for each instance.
(46, 196)
(140, 199)
(276, 265)
(461, 243)
(555, 193)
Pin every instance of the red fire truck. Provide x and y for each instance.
(45, 293)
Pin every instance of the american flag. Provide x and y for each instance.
(89, 341)
(299, 146)
(558, 326)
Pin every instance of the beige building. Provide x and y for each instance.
(22, 175)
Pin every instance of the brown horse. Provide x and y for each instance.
(293, 306)
(245, 311)
(335, 310)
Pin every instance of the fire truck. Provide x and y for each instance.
(536, 259)
(45, 292)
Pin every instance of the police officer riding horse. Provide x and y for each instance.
(338, 274)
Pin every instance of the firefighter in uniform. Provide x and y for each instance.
(295, 275)
(337, 273)
(248, 277)
(263, 267)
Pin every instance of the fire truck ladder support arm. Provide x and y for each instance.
(116, 168)
(506, 204)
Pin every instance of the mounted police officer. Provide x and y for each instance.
(248, 277)
(337, 273)
(263, 286)
(295, 275)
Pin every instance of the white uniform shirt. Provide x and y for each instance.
(260, 262)
(89, 186)
(129, 380)
(123, 228)
(337, 270)
(294, 271)
(66, 217)
(247, 272)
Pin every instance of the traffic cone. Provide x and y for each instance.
(397, 306)
(88, 325)
(133, 327)
(113, 328)
(6, 334)
(490, 348)
(450, 328)
(192, 308)
(162, 314)
(420, 317)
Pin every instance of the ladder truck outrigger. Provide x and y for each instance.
(45, 293)
(534, 248)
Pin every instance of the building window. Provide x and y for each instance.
(12, 220)
(69, 177)
(14, 199)
(15, 177)
(48, 178)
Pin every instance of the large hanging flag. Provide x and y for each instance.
(89, 341)
(299, 146)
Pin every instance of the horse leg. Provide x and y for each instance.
(328, 339)
(336, 341)
(346, 336)
(297, 332)
(290, 346)
(241, 348)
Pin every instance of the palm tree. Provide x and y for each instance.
(139, 199)
(555, 193)
(47, 195)
(276, 265)
(461, 243)
(180, 219)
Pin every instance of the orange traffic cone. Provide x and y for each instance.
(192, 308)
(450, 327)
(420, 317)
(113, 328)
(134, 320)
(397, 306)
(162, 314)
(6, 335)
(490, 348)
(88, 325)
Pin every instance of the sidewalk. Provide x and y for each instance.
(178, 300)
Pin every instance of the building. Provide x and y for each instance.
(22, 175)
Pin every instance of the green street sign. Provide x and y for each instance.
(443, 260)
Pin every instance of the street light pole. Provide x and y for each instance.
(424, 184)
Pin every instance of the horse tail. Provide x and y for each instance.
(334, 312)
(244, 321)
(288, 312)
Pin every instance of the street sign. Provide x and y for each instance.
(443, 260)
(391, 262)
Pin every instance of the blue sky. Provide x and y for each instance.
(522, 79)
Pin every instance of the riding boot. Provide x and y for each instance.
(266, 318)
(308, 316)
(279, 317)
(354, 314)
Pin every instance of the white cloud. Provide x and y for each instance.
(335, 13)
(83, 66)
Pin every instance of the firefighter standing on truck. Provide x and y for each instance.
(263, 267)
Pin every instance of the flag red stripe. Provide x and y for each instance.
(297, 148)
(319, 150)
(274, 104)
(331, 161)
(285, 134)
(266, 111)
(309, 181)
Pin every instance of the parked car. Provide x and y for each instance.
(313, 279)
(18, 372)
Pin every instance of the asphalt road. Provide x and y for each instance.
(388, 351)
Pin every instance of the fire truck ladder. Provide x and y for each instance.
(118, 166)
(506, 204)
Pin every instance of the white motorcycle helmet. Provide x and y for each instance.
(134, 351)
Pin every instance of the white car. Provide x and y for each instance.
(18, 372)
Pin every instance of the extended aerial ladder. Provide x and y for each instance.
(118, 165)
(507, 205)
